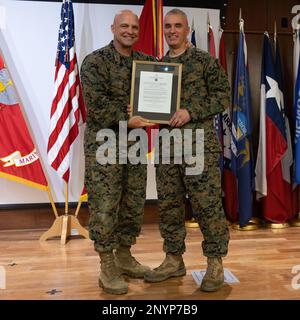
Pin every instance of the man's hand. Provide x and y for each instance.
(139, 122)
(129, 109)
(180, 118)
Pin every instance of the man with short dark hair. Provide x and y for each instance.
(205, 93)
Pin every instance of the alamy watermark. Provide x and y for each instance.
(296, 278)
(2, 278)
(177, 146)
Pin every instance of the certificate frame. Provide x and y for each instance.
(141, 68)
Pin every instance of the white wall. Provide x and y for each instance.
(28, 41)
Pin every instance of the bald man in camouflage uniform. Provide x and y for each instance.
(205, 93)
(116, 192)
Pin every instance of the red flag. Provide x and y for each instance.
(151, 42)
(273, 184)
(147, 40)
(229, 184)
(211, 40)
(19, 160)
(68, 108)
(223, 128)
(222, 51)
(151, 29)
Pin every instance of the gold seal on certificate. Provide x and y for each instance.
(155, 90)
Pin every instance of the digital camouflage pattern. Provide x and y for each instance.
(205, 93)
(204, 193)
(116, 192)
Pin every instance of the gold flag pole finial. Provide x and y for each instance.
(208, 22)
(241, 21)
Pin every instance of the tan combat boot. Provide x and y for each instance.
(110, 278)
(172, 266)
(214, 276)
(127, 264)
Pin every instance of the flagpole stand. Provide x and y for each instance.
(296, 222)
(271, 225)
(70, 224)
(192, 223)
(78, 207)
(253, 224)
(65, 225)
(82, 198)
(55, 230)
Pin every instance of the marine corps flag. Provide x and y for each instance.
(19, 160)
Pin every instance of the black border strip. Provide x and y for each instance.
(212, 4)
(47, 205)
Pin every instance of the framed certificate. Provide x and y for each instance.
(155, 90)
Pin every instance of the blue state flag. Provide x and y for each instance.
(193, 35)
(241, 145)
(297, 126)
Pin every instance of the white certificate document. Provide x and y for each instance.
(155, 92)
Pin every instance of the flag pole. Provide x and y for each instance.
(275, 34)
(78, 207)
(52, 202)
(296, 221)
(208, 22)
(241, 21)
(192, 223)
(65, 228)
(67, 199)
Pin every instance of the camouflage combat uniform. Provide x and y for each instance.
(205, 93)
(116, 192)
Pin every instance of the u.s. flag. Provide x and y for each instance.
(68, 108)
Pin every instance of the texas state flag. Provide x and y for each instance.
(271, 187)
